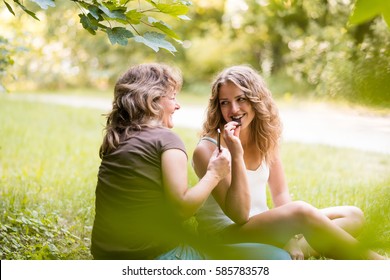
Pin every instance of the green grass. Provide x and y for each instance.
(49, 161)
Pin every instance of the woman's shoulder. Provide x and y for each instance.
(167, 133)
(205, 145)
(163, 138)
(208, 142)
(208, 139)
(160, 135)
(160, 131)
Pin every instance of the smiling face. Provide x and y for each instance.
(169, 105)
(235, 105)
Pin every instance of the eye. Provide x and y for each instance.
(241, 99)
(171, 98)
(223, 102)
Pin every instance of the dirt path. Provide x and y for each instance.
(317, 123)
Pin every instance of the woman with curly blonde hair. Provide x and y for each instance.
(243, 109)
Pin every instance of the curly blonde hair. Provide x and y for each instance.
(266, 127)
(136, 101)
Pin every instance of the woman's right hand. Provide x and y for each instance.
(231, 136)
(219, 163)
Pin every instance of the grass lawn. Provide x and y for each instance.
(49, 161)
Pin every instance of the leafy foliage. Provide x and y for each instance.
(5, 59)
(311, 41)
(116, 18)
(7, 51)
(30, 234)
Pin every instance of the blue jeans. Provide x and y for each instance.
(238, 251)
(182, 252)
(253, 251)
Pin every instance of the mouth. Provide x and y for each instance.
(237, 119)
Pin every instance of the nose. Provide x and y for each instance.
(235, 107)
(177, 106)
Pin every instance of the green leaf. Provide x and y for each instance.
(134, 17)
(114, 13)
(89, 23)
(44, 4)
(163, 27)
(26, 10)
(9, 8)
(365, 10)
(184, 17)
(119, 35)
(113, 6)
(123, 2)
(95, 12)
(172, 9)
(155, 41)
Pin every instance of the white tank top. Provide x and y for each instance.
(210, 216)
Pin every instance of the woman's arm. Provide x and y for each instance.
(175, 179)
(277, 182)
(238, 196)
(232, 195)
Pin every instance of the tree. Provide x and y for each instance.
(122, 20)
(143, 22)
(5, 59)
